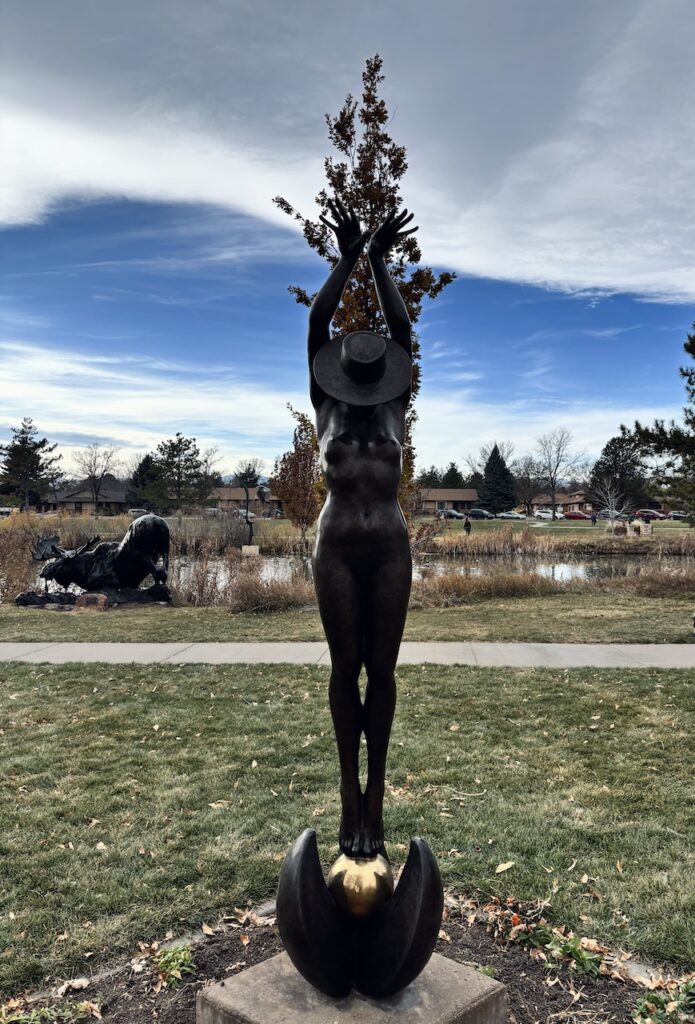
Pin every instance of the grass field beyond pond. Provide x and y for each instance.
(572, 617)
(137, 799)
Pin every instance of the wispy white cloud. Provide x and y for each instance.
(550, 144)
(137, 402)
(454, 423)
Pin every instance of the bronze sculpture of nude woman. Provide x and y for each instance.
(360, 389)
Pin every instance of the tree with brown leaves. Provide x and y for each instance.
(366, 177)
(297, 478)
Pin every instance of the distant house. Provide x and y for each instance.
(79, 498)
(434, 499)
(577, 501)
(542, 503)
(230, 499)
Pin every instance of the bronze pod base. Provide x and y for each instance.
(373, 938)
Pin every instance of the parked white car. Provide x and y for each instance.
(547, 514)
(510, 515)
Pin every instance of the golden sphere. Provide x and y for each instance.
(359, 884)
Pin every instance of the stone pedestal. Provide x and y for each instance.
(250, 550)
(275, 993)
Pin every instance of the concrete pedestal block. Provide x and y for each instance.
(250, 550)
(275, 993)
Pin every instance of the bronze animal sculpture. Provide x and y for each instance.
(114, 565)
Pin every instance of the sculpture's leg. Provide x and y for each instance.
(337, 591)
(387, 608)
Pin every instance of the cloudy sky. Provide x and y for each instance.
(144, 267)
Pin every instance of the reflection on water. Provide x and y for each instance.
(287, 567)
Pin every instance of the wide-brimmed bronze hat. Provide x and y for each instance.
(363, 369)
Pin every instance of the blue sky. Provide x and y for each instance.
(145, 269)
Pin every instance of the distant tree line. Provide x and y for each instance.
(639, 467)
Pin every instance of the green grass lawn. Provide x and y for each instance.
(142, 798)
(562, 618)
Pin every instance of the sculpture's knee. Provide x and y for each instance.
(345, 676)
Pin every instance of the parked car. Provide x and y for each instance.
(479, 513)
(5, 510)
(135, 512)
(273, 513)
(622, 517)
(510, 515)
(648, 515)
(450, 513)
(577, 515)
(240, 513)
(671, 515)
(545, 513)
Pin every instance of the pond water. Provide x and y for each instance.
(284, 567)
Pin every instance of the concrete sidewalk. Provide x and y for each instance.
(485, 654)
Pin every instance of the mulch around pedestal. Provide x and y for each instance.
(534, 995)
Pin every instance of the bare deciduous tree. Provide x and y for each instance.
(95, 462)
(528, 480)
(477, 463)
(608, 494)
(556, 459)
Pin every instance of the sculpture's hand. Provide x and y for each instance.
(349, 235)
(390, 232)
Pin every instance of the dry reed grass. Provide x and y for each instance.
(529, 541)
(236, 583)
(16, 570)
(189, 534)
(451, 589)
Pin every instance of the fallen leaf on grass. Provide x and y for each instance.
(74, 985)
(572, 866)
(90, 1008)
(504, 867)
(244, 939)
(444, 936)
(207, 930)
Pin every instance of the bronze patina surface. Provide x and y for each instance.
(358, 931)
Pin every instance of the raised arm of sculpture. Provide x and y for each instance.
(351, 241)
(390, 299)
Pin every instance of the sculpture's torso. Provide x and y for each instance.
(361, 458)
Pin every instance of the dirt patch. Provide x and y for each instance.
(535, 994)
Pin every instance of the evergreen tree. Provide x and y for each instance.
(498, 492)
(182, 471)
(28, 464)
(452, 476)
(475, 482)
(622, 463)
(677, 443)
(431, 477)
(366, 176)
(148, 488)
(246, 475)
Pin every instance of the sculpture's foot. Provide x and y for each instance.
(350, 839)
(372, 830)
